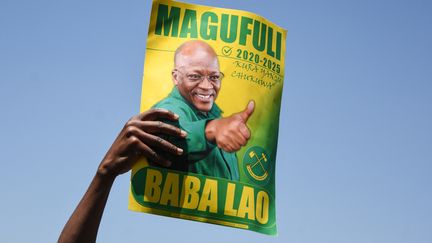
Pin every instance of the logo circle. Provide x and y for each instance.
(257, 165)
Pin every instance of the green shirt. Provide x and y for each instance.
(199, 156)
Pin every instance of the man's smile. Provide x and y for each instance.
(204, 97)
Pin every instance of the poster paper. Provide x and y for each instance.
(241, 77)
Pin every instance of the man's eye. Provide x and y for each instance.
(214, 78)
(194, 76)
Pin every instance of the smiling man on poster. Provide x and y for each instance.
(211, 143)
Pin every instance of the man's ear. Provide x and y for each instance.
(174, 76)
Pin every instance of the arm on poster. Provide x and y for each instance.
(137, 138)
(230, 133)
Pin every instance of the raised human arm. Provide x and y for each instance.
(137, 138)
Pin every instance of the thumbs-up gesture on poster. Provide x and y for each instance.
(231, 133)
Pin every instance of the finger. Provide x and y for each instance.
(151, 154)
(230, 148)
(234, 143)
(159, 127)
(225, 147)
(156, 141)
(157, 113)
(244, 130)
(248, 111)
(237, 140)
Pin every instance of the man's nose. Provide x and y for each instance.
(205, 83)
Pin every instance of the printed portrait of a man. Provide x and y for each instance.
(212, 140)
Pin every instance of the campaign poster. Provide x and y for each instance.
(221, 71)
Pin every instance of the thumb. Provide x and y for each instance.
(248, 111)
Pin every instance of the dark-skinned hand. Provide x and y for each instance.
(139, 137)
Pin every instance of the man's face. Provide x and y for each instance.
(198, 79)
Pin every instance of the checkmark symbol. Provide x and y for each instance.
(226, 50)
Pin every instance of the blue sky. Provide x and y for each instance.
(355, 141)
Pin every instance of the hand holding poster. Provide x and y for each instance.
(221, 71)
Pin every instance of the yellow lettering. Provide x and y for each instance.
(170, 192)
(229, 209)
(247, 203)
(152, 189)
(209, 196)
(262, 207)
(189, 196)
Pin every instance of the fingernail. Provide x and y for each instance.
(176, 116)
(183, 133)
(179, 151)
